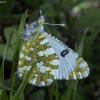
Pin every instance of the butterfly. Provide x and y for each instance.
(55, 60)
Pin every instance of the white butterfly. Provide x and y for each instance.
(55, 60)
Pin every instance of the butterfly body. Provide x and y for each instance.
(54, 59)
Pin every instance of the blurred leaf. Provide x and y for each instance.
(51, 90)
(80, 95)
(6, 7)
(67, 94)
(69, 4)
(9, 53)
(34, 16)
(8, 30)
(1, 39)
(6, 88)
(4, 96)
(82, 5)
(32, 3)
(22, 96)
(89, 18)
(38, 95)
(81, 45)
(89, 41)
(2, 66)
(51, 12)
(4, 56)
(10, 18)
(57, 94)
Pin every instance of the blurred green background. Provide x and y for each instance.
(78, 16)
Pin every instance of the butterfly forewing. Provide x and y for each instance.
(39, 50)
(71, 66)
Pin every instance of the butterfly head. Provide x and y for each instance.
(41, 20)
(36, 27)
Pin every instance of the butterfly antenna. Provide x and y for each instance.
(55, 24)
(49, 23)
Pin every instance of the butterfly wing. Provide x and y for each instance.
(71, 65)
(38, 49)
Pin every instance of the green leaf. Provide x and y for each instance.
(67, 94)
(89, 41)
(4, 56)
(89, 18)
(11, 17)
(38, 95)
(9, 52)
(51, 90)
(81, 45)
(16, 53)
(23, 84)
(75, 89)
(57, 96)
(1, 39)
(4, 96)
(5, 8)
(7, 31)
(6, 88)
(2, 66)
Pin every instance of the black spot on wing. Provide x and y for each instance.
(64, 52)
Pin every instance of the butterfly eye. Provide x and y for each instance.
(41, 20)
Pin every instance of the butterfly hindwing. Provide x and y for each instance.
(39, 50)
(71, 66)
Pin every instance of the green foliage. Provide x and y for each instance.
(15, 56)
(7, 31)
(23, 84)
(5, 9)
(81, 18)
(37, 95)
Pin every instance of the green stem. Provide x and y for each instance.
(56, 90)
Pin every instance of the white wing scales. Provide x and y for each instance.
(72, 66)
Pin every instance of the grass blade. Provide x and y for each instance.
(75, 89)
(5, 52)
(23, 84)
(4, 96)
(67, 93)
(56, 90)
(2, 66)
(81, 45)
(89, 41)
(51, 90)
(16, 53)
(6, 88)
(79, 50)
